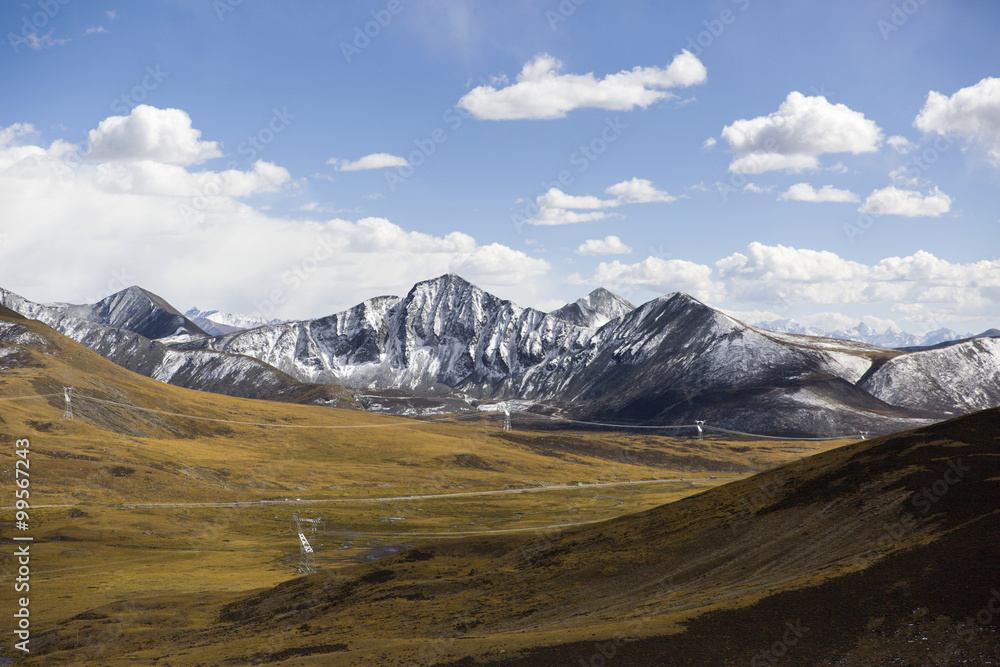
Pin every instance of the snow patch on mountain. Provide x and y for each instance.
(219, 323)
(883, 333)
(957, 379)
(594, 310)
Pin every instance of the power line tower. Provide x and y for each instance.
(68, 395)
(698, 423)
(307, 555)
(506, 419)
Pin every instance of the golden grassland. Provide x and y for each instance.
(147, 525)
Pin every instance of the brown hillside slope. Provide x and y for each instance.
(880, 552)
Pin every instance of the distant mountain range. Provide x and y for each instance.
(218, 323)
(671, 360)
(891, 337)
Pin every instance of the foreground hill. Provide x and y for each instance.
(880, 552)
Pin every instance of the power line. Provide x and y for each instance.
(244, 423)
(417, 422)
(32, 397)
(68, 395)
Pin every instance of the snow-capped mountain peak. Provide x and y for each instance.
(594, 310)
(219, 323)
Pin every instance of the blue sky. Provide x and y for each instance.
(215, 153)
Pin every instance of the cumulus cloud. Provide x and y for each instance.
(542, 92)
(555, 207)
(827, 193)
(93, 30)
(638, 191)
(609, 245)
(908, 203)
(899, 143)
(190, 236)
(915, 286)
(10, 133)
(657, 274)
(972, 113)
(373, 161)
(148, 133)
(764, 280)
(797, 134)
(709, 143)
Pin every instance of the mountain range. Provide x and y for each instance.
(672, 360)
(123, 326)
(890, 337)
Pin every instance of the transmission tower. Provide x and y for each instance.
(68, 394)
(307, 556)
(698, 423)
(506, 420)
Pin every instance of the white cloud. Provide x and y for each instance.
(111, 14)
(827, 193)
(373, 161)
(660, 275)
(972, 113)
(189, 236)
(709, 143)
(12, 132)
(93, 30)
(797, 134)
(753, 187)
(556, 198)
(899, 143)
(766, 280)
(168, 180)
(609, 245)
(914, 286)
(555, 206)
(548, 217)
(147, 133)
(541, 92)
(37, 42)
(638, 191)
(904, 176)
(316, 207)
(908, 203)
